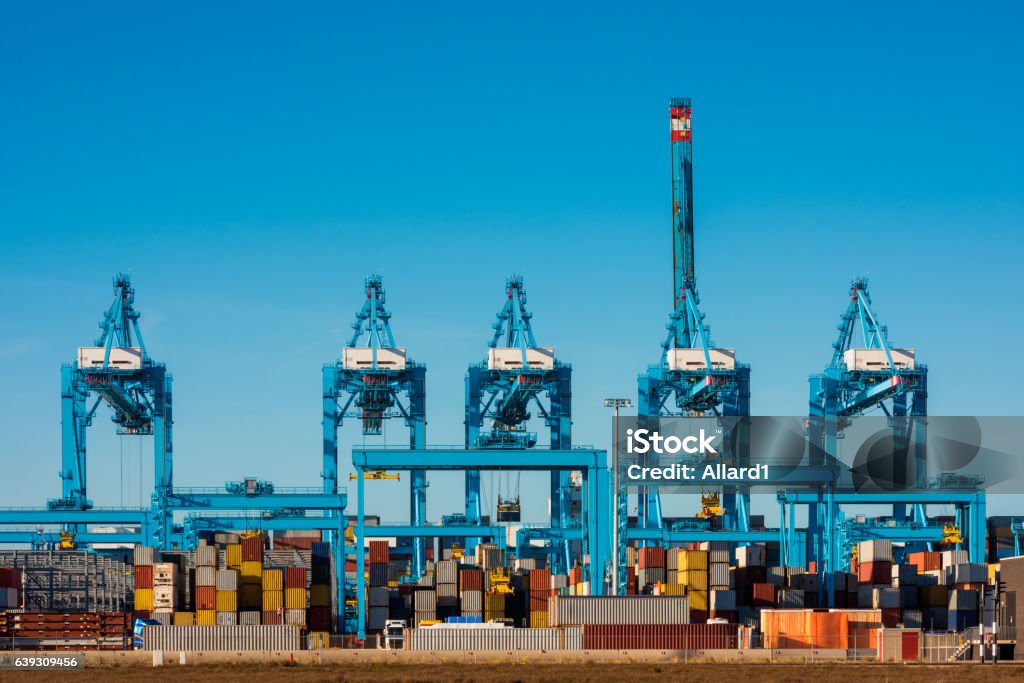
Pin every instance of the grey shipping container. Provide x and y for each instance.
(651, 575)
(379, 597)
(424, 601)
(144, 554)
(227, 580)
(206, 576)
(206, 556)
(447, 590)
(913, 618)
(249, 618)
(718, 575)
(376, 618)
(446, 571)
(227, 618)
(485, 638)
(295, 616)
(212, 638)
(572, 610)
(790, 598)
(965, 600)
(472, 601)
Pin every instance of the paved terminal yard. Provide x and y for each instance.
(376, 666)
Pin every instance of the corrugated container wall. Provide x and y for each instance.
(211, 638)
(566, 610)
(440, 638)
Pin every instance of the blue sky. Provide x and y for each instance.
(249, 165)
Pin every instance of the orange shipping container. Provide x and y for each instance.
(206, 598)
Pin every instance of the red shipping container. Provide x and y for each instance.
(318, 618)
(252, 549)
(295, 577)
(471, 580)
(878, 573)
(651, 557)
(379, 552)
(812, 567)
(660, 637)
(540, 580)
(538, 602)
(273, 617)
(763, 595)
(925, 561)
(698, 616)
(206, 597)
(143, 576)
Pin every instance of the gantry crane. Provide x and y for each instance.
(693, 377)
(519, 375)
(374, 381)
(867, 373)
(119, 372)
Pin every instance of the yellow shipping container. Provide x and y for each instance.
(206, 617)
(143, 599)
(184, 618)
(273, 580)
(538, 619)
(695, 579)
(672, 589)
(227, 601)
(993, 574)
(319, 595)
(252, 569)
(319, 640)
(698, 600)
(233, 555)
(273, 600)
(693, 559)
(250, 596)
(295, 598)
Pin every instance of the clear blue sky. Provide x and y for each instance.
(250, 164)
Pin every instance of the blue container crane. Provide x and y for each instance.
(372, 382)
(693, 377)
(518, 376)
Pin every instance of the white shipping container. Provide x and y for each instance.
(512, 359)
(295, 616)
(362, 358)
(954, 557)
(218, 638)
(206, 556)
(472, 601)
(144, 555)
(121, 357)
(571, 610)
(875, 551)
(694, 359)
(750, 556)
(483, 637)
(227, 618)
(874, 360)
(446, 571)
(249, 618)
(227, 579)
(424, 600)
(206, 576)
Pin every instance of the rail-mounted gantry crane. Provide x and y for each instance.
(693, 377)
(518, 377)
(118, 371)
(374, 381)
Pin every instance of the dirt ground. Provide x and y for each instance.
(506, 673)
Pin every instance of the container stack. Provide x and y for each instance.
(424, 605)
(319, 616)
(874, 569)
(651, 566)
(446, 587)
(471, 592)
(693, 575)
(144, 557)
(10, 587)
(167, 589)
(295, 596)
(227, 603)
(540, 594)
(379, 597)
(272, 600)
(250, 576)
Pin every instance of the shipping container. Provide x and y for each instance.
(227, 580)
(206, 556)
(227, 618)
(184, 619)
(205, 597)
(144, 555)
(295, 577)
(295, 617)
(660, 637)
(273, 600)
(233, 555)
(218, 638)
(273, 580)
(575, 611)
(143, 576)
(379, 552)
(876, 550)
(227, 601)
(206, 576)
(486, 637)
(249, 617)
(206, 617)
